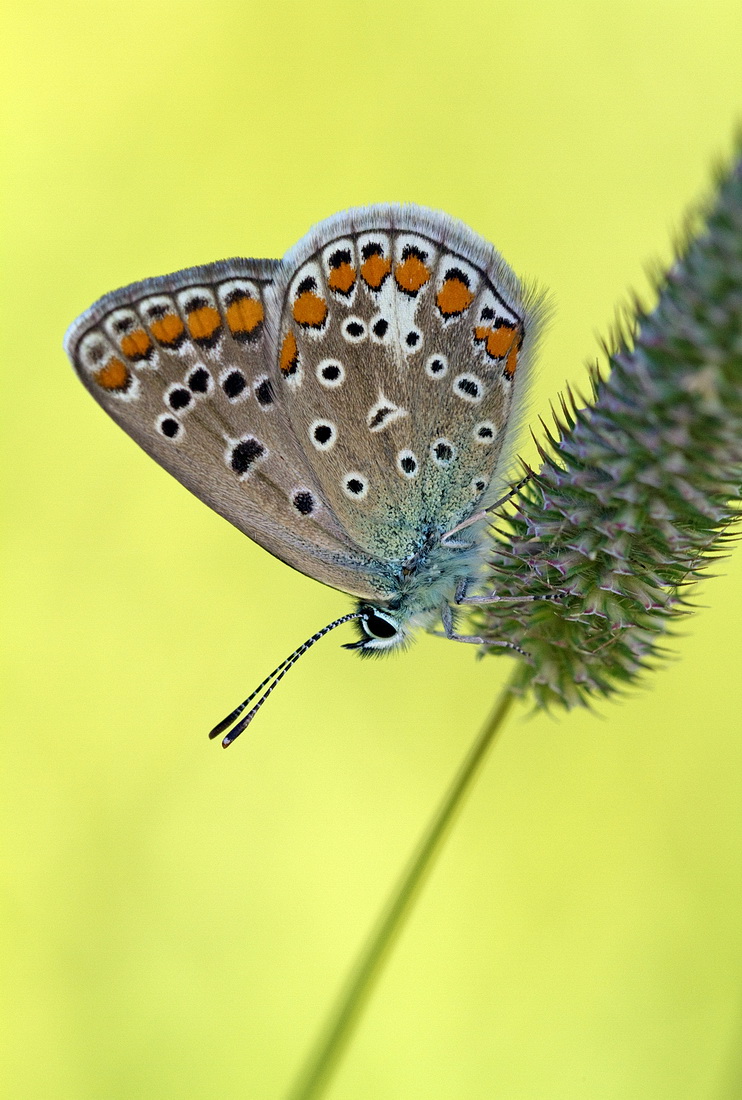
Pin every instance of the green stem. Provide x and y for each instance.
(324, 1059)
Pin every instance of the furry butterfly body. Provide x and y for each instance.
(346, 407)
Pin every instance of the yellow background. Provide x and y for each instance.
(176, 920)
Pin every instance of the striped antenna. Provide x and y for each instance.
(270, 683)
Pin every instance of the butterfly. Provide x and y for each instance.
(352, 408)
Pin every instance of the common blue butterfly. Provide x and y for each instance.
(351, 408)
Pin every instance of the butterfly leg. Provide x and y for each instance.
(473, 639)
(462, 600)
(484, 513)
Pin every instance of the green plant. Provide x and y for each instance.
(635, 497)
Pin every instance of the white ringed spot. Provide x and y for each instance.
(330, 373)
(354, 329)
(436, 366)
(469, 387)
(355, 485)
(379, 329)
(234, 384)
(170, 428)
(199, 381)
(484, 433)
(244, 454)
(407, 464)
(179, 398)
(323, 434)
(305, 502)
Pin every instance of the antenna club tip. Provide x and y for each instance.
(269, 684)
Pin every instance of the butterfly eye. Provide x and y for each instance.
(377, 626)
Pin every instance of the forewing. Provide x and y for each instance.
(402, 341)
(182, 364)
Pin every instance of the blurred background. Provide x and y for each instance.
(176, 920)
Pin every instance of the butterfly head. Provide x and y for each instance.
(381, 630)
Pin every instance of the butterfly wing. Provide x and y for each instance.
(182, 364)
(403, 342)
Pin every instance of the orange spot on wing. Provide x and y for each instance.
(454, 297)
(114, 376)
(342, 278)
(289, 357)
(168, 329)
(512, 360)
(374, 270)
(411, 274)
(310, 309)
(244, 315)
(497, 341)
(136, 345)
(203, 322)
